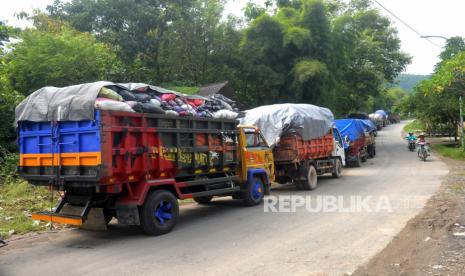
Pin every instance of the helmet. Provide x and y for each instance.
(410, 133)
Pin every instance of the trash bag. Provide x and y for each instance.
(109, 104)
(225, 114)
(142, 97)
(155, 102)
(171, 112)
(136, 106)
(127, 95)
(106, 92)
(168, 97)
(151, 108)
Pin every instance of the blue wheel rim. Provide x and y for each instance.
(257, 190)
(164, 212)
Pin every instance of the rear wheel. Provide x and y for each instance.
(203, 199)
(357, 161)
(159, 213)
(255, 192)
(311, 180)
(337, 168)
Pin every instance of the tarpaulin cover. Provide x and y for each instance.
(353, 128)
(381, 112)
(73, 103)
(308, 120)
(369, 125)
(376, 116)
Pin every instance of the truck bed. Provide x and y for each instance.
(292, 148)
(120, 147)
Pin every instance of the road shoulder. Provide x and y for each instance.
(433, 242)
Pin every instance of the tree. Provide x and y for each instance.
(60, 58)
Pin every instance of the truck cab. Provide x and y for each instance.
(340, 146)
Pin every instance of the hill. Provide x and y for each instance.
(409, 81)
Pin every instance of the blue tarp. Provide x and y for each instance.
(369, 125)
(381, 112)
(354, 128)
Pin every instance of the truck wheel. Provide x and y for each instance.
(159, 213)
(371, 150)
(311, 180)
(337, 168)
(364, 157)
(255, 192)
(108, 215)
(203, 199)
(357, 161)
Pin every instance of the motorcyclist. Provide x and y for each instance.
(422, 141)
(411, 138)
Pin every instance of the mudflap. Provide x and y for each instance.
(95, 219)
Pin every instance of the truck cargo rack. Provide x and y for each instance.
(55, 216)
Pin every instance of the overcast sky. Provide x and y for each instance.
(429, 17)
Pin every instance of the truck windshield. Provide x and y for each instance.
(254, 139)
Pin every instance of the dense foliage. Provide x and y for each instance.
(325, 52)
(436, 101)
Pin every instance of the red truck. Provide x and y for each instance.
(305, 143)
(136, 166)
(300, 161)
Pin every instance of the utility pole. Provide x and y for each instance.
(461, 124)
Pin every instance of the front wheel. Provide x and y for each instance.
(159, 213)
(337, 169)
(255, 192)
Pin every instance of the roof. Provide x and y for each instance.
(212, 89)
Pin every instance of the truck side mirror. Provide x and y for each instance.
(346, 139)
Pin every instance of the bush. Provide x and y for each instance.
(8, 164)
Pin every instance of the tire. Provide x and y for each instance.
(203, 199)
(311, 180)
(255, 192)
(108, 215)
(371, 150)
(159, 213)
(364, 158)
(337, 168)
(357, 161)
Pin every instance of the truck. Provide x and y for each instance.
(136, 166)
(357, 139)
(370, 137)
(305, 143)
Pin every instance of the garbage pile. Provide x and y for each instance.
(146, 100)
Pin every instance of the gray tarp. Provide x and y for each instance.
(308, 120)
(71, 103)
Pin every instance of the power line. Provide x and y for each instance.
(407, 25)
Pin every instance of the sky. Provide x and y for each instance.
(428, 17)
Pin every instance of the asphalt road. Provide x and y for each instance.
(226, 238)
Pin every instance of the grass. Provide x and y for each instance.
(453, 151)
(18, 200)
(414, 126)
(184, 89)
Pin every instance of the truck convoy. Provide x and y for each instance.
(305, 143)
(134, 166)
(134, 160)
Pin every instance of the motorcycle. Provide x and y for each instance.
(411, 145)
(422, 151)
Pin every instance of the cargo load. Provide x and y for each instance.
(308, 121)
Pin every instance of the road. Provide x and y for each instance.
(226, 238)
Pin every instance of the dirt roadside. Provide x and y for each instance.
(432, 243)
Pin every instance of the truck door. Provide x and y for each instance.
(255, 153)
(339, 148)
